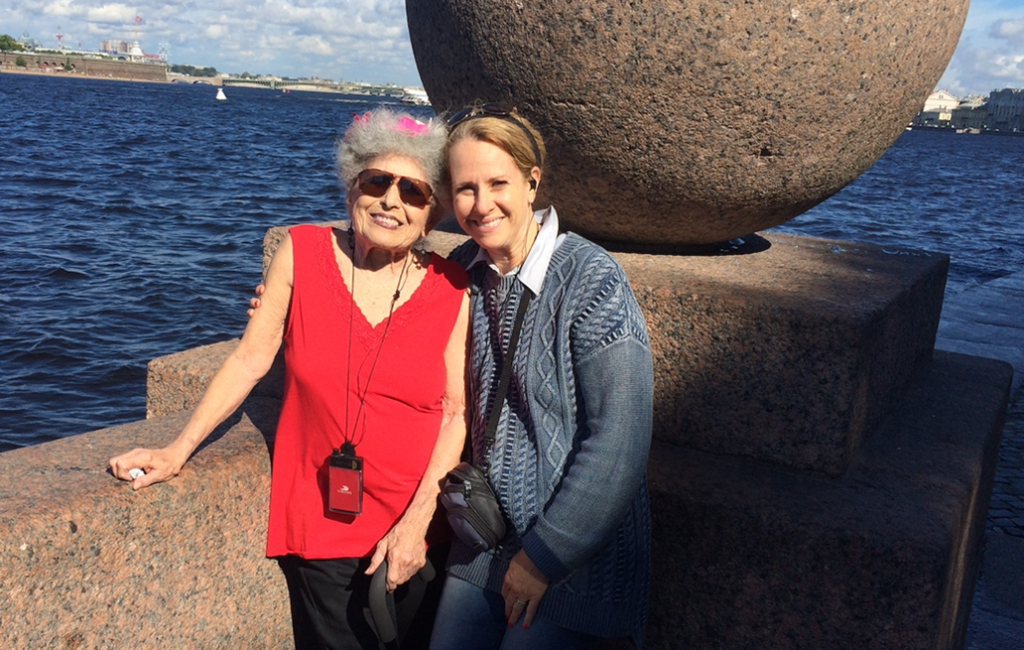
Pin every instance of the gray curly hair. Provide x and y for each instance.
(381, 132)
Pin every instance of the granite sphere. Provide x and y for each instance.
(687, 122)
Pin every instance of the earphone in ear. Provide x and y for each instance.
(533, 184)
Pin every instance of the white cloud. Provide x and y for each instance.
(214, 31)
(314, 45)
(1009, 67)
(368, 39)
(1010, 30)
(59, 9)
(111, 14)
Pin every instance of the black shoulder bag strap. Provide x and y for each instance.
(506, 377)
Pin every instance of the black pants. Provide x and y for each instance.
(330, 608)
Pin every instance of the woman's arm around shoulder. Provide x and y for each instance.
(247, 364)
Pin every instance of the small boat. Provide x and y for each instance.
(220, 94)
(415, 97)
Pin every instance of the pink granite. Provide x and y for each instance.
(792, 355)
(85, 562)
(176, 382)
(747, 555)
(691, 121)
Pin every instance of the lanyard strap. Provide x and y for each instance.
(506, 376)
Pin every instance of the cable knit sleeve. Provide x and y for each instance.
(614, 384)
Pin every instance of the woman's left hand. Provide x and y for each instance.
(522, 589)
(405, 552)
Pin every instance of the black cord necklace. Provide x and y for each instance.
(350, 440)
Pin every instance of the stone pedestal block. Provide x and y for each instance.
(85, 562)
(792, 355)
(750, 556)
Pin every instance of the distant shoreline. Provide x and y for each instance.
(77, 75)
(188, 81)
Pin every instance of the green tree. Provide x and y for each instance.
(20, 62)
(8, 44)
(193, 71)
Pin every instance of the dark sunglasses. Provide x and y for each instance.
(499, 111)
(376, 183)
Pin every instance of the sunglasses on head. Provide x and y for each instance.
(376, 183)
(499, 111)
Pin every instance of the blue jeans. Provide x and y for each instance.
(471, 618)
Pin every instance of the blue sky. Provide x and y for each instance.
(368, 40)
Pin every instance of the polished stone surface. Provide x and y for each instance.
(792, 355)
(691, 121)
(176, 382)
(751, 556)
(85, 562)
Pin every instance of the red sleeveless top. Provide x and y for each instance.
(401, 414)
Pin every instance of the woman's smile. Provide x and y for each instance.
(385, 220)
(487, 223)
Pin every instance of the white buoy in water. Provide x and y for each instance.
(220, 94)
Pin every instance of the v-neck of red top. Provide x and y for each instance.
(368, 335)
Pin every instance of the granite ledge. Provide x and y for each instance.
(85, 562)
(747, 555)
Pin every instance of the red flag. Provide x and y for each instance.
(138, 19)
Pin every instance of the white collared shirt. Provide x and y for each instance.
(532, 271)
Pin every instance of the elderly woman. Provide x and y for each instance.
(374, 335)
(568, 458)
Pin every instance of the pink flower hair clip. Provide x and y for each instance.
(412, 126)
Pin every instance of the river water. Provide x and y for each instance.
(134, 216)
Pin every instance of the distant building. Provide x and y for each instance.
(28, 42)
(1006, 109)
(938, 109)
(115, 47)
(972, 113)
(135, 53)
(941, 101)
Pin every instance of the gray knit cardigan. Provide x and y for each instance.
(570, 457)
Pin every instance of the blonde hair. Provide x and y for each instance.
(509, 133)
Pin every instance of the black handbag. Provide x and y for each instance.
(473, 509)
